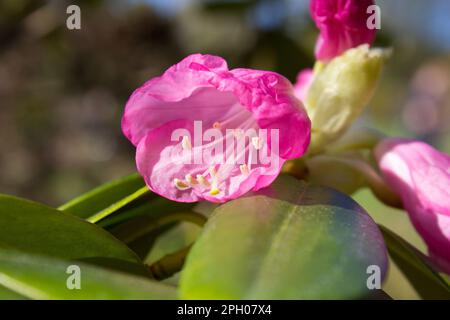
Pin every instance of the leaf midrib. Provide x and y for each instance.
(272, 253)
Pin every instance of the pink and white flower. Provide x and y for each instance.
(420, 175)
(202, 88)
(342, 25)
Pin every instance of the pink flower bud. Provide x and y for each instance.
(342, 25)
(420, 175)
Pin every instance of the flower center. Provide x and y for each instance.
(233, 124)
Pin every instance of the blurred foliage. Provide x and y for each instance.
(62, 91)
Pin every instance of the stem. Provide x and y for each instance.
(188, 216)
(379, 188)
(117, 205)
(169, 264)
(360, 138)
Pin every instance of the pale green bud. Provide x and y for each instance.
(340, 91)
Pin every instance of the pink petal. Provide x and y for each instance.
(271, 99)
(159, 161)
(184, 87)
(342, 25)
(421, 176)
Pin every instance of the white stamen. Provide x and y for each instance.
(191, 180)
(257, 143)
(186, 143)
(202, 181)
(212, 172)
(214, 176)
(244, 169)
(238, 133)
(250, 158)
(180, 184)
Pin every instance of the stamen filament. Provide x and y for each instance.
(191, 180)
(186, 143)
(212, 172)
(250, 158)
(257, 143)
(244, 169)
(202, 181)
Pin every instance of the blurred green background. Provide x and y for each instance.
(62, 92)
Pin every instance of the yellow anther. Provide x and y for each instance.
(180, 184)
(214, 191)
(186, 143)
(216, 125)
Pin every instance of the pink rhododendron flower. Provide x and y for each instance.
(420, 174)
(304, 80)
(201, 90)
(342, 25)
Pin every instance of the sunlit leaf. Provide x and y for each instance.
(288, 241)
(141, 232)
(144, 206)
(6, 294)
(31, 227)
(104, 196)
(38, 277)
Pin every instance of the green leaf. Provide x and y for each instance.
(149, 207)
(134, 268)
(145, 244)
(140, 226)
(178, 237)
(31, 227)
(141, 232)
(38, 277)
(102, 197)
(6, 294)
(427, 282)
(118, 205)
(288, 241)
(136, 215)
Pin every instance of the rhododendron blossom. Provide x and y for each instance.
(200, 88)
(342, 25)
(420, 175)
